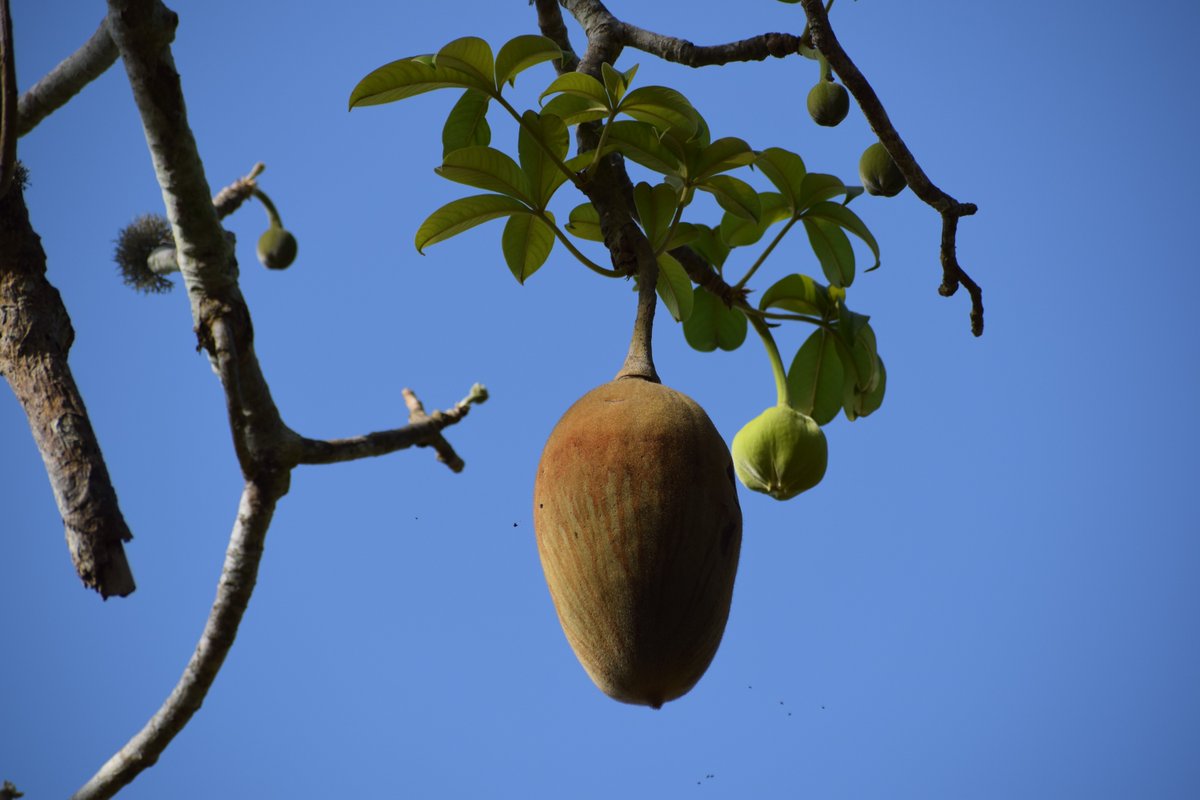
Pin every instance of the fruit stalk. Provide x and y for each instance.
(781, 386)
(639, 361)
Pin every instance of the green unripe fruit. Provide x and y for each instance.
(828, 103)
(781, 452)
(276, 248)
(880, 175)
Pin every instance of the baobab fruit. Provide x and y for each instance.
(828, 103)
(277, 248)
(781, 452)
(880, 175)
(639, 530)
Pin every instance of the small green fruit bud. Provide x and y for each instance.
(781, 452)
(828, 103)
(276, 248)
(880, 175)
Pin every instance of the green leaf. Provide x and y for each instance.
(799, 294)
(573, 109)
(851, 325)
(851, 193)
(663, 108)
(685, 233)
(466, 212)
(844, 217)
(539, 134)
(470, 55)
(526, 243)
(628, 75)
(721, 156)
(674, 287)
(865, 358)
(832, 249)
(557, 177)
(709, 246)
(584, 222)
(861, 404)
(467, 124)
(733, 195)
(816, 378)
(656, 207)
(786, 170)
(712, 324)
(817, 187)
(614, 83)
(486, 168)
(406, 78)
(521, 53)
(579, 85)
(640, 143)
(739, 231)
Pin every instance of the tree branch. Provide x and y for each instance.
(423, 430)
(8, 101)
(66, 80)
(35, 339)
(681, 51)
(238, 576)
(949, 208)
(550, 22)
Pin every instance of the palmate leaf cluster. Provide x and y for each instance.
(837, 368)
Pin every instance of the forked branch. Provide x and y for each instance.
(950, 209)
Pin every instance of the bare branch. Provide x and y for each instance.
(66, 80)
(423, 430)
(230, 199)
(238, 577)
(550, 22)
(681, 51)
(8, 101)
(143, 31)
(35, 338)
(949, 208)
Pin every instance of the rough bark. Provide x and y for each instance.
(35, 337)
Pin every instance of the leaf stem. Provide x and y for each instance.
(600, 144)
(671, 229)
(763, 256)
(587, 262)
(558, 162)
(781, 387)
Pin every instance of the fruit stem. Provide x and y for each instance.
(824, 63)
(272, 212)
(781, 387)
(639, 361)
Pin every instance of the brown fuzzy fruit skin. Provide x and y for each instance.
(639, 530)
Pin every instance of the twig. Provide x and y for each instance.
(230, 199)
(238, 576)
(950, 209)
(423, 430)
(67, 79)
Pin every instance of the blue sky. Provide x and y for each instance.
(992, 594)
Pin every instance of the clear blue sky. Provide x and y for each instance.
(992, 594)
